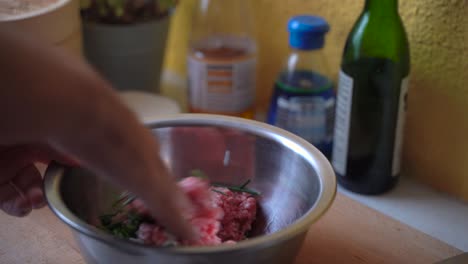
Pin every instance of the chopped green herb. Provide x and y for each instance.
(220, 192)
(106, 219)
(129, 200)
(241, 188)
(128, 228)
(123, 229)
(237, 188)
(124, 199)
(245, 184)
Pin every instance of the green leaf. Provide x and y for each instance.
(166, 4)
(102, 10)
(199, 173)
(117, 6)
(85, 4)
(119, 11)
(115, 3)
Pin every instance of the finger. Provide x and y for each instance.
(7, 192)
(16, 158)
(18, 206)
(29, 182)
(36, 197)
(28, 194)
(12, 160)
(28, 178)
(166, 202)
(25, 179)
(164, 199)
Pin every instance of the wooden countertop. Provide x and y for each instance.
(349, 233)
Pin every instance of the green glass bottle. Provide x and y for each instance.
(371, 100)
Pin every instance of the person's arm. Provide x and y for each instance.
(46, 96)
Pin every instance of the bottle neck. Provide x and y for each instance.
(232, 18)
(304, 55)
(308, 60)
(381, 6)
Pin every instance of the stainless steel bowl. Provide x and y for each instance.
(296, 181)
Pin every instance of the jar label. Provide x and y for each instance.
(224, 87)
(342, 123)
(310, 117)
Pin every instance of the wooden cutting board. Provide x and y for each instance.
(349, 233)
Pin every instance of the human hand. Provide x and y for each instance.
(20, 180)
(53, 99)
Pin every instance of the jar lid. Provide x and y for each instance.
(307, 32)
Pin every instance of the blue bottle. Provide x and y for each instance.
(303, 99)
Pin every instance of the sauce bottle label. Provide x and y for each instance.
(310, 117)
(397, 149)
(342, 123)
(221, 86)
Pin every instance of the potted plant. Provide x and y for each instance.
(125, 40)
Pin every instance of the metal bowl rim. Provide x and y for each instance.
(324, 200)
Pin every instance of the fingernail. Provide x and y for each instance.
(24, 206)
(15, 207)
(36, 196)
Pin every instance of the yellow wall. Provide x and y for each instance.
(436, 149)
(436, 144)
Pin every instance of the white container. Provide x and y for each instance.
(149, 106)
(58, 24)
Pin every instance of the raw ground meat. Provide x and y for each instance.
(219, 216)
(239, 210)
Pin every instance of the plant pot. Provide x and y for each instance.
(129, 56)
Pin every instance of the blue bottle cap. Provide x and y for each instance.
(307, 32)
